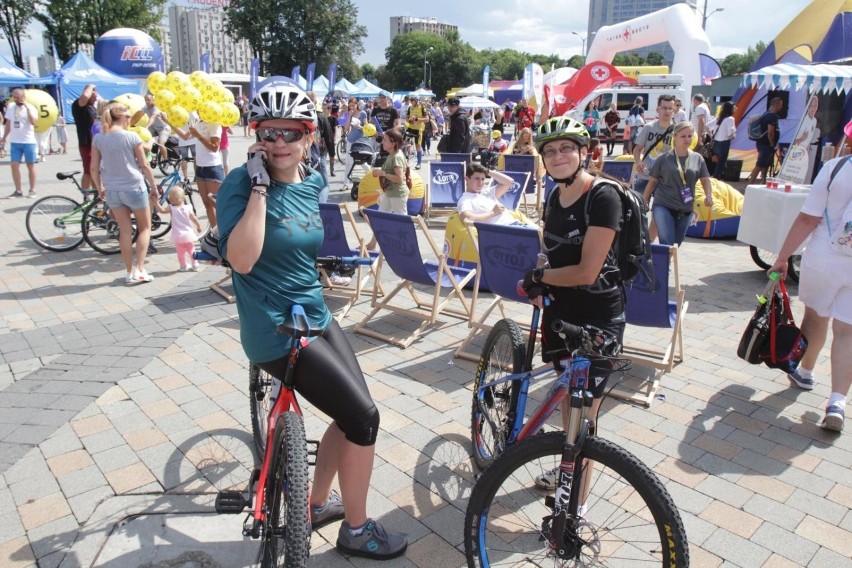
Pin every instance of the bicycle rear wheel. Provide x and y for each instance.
(287, 534)
(493, 410)
(160, 226)
(100, 229)
(55, 223)
(630, 519)
(260, 383)
(168, 165)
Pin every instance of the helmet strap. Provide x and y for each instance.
(570, 179)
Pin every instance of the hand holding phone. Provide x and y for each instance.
(256, 168)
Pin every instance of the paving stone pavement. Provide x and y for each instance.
(123, 410)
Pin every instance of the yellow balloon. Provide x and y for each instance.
(45, 106)
(228, 96)
(134, 103)
(209, 111)
(694, 141)
(197, 78)
(156, 81)
(174, 80)
(230, 115)
(165, 100)
(143, 133)
(191, 99)
(178, 116)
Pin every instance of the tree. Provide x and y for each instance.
(369, 73)
(577, 61)
(71, 23)
(737, 63)
(454, 62)
(15, 16)
(286, 33)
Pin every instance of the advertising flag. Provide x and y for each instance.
(486, 75)
(332, 76)
(253, 71)
(205, 62)
(295, 73)
(309, 76)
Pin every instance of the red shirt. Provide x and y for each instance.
(526, 117)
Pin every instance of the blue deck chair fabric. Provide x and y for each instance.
(618, 169)
(446, 186)
(521, 163)
(512, 198)
(335, 243)
(507, 136)
(663, 307)
(397, 237)
(549, 185)
(454, 157)
(506, 253)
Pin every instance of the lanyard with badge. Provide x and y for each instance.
(685, 190)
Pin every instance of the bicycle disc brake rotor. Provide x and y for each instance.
(582, 543)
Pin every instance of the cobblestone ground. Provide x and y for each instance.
(124, 409)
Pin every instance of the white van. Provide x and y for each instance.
(649, 87)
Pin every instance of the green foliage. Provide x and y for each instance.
(737, 63)
(576, 61)
(71, 23)
(15, 16)
(286, 33)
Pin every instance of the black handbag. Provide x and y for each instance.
(771, 336)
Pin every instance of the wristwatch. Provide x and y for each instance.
(537, 275)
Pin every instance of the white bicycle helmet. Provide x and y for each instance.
(282, 99)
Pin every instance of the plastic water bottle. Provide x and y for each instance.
(763, 297)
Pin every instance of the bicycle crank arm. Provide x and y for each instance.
(231, 503)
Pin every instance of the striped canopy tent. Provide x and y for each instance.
(821, 77)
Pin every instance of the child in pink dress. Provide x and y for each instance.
(185, 228)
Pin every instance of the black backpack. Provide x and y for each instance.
(631, 250)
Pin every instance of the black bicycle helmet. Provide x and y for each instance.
(283, 100)
(563, 128)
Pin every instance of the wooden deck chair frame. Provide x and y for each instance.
(362, 274)
(660, 360)
(433, 307)
(442, 208)
(217, 287)
(478, 324)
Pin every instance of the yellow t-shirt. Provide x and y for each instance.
(414, 113)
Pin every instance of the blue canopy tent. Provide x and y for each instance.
(80, 71)
(343, 85)
(365, 89)
(13, 76)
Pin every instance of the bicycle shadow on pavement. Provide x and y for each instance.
(724, 438)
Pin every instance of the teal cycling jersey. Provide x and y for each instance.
(285, 274)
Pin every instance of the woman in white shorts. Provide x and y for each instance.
(826, 281)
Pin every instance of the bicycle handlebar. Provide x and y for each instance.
(345, 260)
(570, 331)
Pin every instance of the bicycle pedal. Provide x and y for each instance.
(313, 449)
(231, 503)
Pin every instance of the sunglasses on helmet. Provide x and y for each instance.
(289, 135)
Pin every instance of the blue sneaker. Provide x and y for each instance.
(800, 381)
(373, 542)
(833, 420)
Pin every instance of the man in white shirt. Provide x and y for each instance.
(19, 131)
(700, 117)
(680, 114)
(480, 203)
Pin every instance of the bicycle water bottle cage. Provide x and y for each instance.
(297, 326)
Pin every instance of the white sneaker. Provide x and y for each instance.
(142, 276)
(338, 280)
(130, 278)
(548, 479)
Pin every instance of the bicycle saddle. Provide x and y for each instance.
(65, 175)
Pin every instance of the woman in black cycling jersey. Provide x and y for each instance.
(270, 231)
(581, 277)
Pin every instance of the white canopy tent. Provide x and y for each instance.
(477, 102)
(822, 77)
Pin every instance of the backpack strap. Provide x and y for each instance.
(657, 141)
(837, 167)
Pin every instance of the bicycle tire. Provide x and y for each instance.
(504, 347)
(631, 528)
(259, 384)
(168, 165)
(101, 231)
(286, 539)
(765, 260)
(160, 226)
(341, 149)
(55, 223)
(793, 267)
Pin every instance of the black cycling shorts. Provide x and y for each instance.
(328, 376)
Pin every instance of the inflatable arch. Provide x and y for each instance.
(679, 24)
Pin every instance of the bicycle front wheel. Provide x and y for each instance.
(630, 519)
(160, 226)
(55, 223)
(287, 534)
(100, 229)
(493, 409)
(168, 165)
(259, 384)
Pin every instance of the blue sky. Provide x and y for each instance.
(538, 26)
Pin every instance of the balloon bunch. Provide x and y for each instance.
(177, 94)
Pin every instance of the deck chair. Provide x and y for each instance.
(525, 163)
(397, 238)
(618, 169)
(506, 253)
(335, 243)
(217, 287)
(446, 186)
(507, 136)
(454, 157)
(655, 309)
(512, 198)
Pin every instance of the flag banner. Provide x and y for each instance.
(332, 76)
(309, 76)
(253, 71)
(295, 73)
(486, 75)
(205, 62)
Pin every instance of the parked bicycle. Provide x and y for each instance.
(277, 494)
(168, 163)
(58, 223)
(607, 507)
